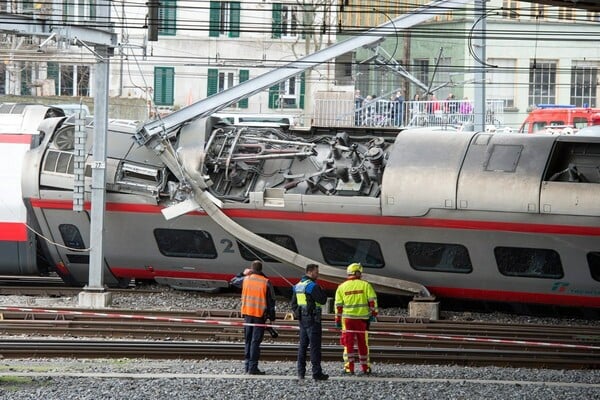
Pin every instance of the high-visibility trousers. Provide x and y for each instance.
(356, 344)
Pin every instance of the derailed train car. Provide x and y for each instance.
(494, 217)
(459, 215)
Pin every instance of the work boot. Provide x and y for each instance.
(256, 372)
(320, 377)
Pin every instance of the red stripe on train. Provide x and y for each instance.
(569, 300)
(13, 232)
(353, 219)
(563, 299)
(15, 139)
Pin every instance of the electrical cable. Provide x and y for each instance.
(470, 40)
(395, 33)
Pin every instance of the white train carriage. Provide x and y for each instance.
(19, 132)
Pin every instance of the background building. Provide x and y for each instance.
(536, 54)
(206, 47)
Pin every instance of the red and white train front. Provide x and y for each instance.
(18, 133)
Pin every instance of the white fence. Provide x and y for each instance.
(385, 113)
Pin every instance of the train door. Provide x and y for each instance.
(70, 238)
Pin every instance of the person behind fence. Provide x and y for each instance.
(258, 306)
(433, 105)
(358, 104)
(356, 308)
(466, 107)
(368, 110)
(415, 111)
(451, 104)
(398, 108)
(307, 304)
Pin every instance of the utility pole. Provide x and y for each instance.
(480, 107)
(94, 294)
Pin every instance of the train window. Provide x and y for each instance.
(504, 158)
(185, 243)
(62, 165)
(51, 159)
(78, 258)
(341, 252)
(249, 253)
(71, 236)
(529, 263)
(594, 263)
(439, 257)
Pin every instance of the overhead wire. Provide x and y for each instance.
(430, 32)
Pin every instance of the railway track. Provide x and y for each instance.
(23, 348)
(50, 286)
(218, 334)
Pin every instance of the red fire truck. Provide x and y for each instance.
(552, 118)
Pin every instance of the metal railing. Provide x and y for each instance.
(394, 114)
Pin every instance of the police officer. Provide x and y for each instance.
(258, 305)
(356, 307)
(307, 303)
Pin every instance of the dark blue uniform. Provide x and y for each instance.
(307, 305)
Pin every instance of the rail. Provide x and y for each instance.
(218, 334)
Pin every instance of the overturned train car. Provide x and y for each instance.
(493, 217)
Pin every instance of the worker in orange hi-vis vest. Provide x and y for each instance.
(258, 306)
(356, 308)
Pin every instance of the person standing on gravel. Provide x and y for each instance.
(356, 308)
(307, 303)
(258, 306)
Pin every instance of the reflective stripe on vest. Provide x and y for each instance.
(254, 295)
(354, 296)
(300, 290)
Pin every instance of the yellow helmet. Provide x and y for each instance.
(354, 267)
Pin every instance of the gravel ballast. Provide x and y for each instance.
(134, 379)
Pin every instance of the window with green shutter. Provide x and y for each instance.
(288, 94)
(274, 96)
(93, 10)
(164, 85)
(213, 81)
(68, 10)
(285, 22)
(234, 23)
(217, 81)
(224, 18)
(215, 17)
(276, 23)
(244, 76)
(302, 89)
(167, 15)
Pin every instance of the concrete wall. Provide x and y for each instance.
(118, 108)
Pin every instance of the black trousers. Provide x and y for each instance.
(253, 336)
(310, 334)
